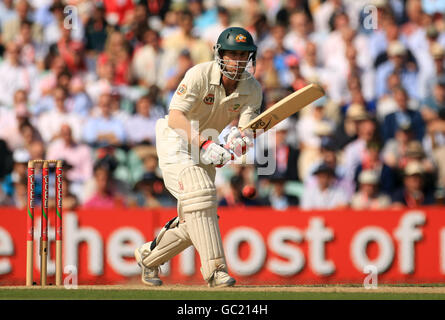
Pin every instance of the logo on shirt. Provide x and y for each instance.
(240, 38)
(181, 90)
(235, 108)
(209, 99)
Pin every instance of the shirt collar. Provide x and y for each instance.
(215, 79)
(215, 74)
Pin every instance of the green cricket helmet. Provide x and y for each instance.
(236, 39)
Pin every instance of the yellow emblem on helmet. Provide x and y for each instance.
(240, 38)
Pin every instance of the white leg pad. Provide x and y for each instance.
(198, 203)
(169, 243)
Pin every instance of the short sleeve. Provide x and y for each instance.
(252, 108)
(187, 93)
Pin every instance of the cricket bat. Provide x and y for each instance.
(285, 108)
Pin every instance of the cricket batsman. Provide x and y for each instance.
(210, 97)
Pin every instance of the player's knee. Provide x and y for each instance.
(197, 190)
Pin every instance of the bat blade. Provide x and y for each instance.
(285, 108)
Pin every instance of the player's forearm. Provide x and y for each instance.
(179, 122)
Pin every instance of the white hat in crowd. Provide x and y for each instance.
(368, 177)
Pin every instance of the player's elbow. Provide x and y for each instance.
(174, 118)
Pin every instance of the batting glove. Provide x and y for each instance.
(238, 142)
(212, 153)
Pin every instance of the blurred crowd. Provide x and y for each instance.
(86, 80)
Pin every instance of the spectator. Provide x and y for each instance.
(202, 18)
(118, 11)
(300, 27)
(434, 145)
(97, 30)
(184, 39)
(285, 156)
(289, 8)
(416, 153)
(118, 112)
(6, 159)
(310, 67)
(32, 52)
(105, 82)
(395, 148)
(28, 133)
(387, 32)
(49, 123)
(324, 194)
(371, 160)
(70, 201)
(414, 192)
(105, 195)
(412, 29)
(5, 200)
(136, 24)
(7, 11)
(366, 132)
(160, 10)
(329, 156)
(105, 128)
(149, 182)
(42, 93)
(282, 54)
(59, 18)
(368, 196)
(397, 63)
(80, 103)
(234, 196)
(76, 154)
(176, 73)
(17, 173)
(12, 119)
(20, 198)
(293, 76)
(119, 67)
(401, 116)
(267, 74)
(11, 27)
(117, 53)
(140, 128)
(386, 104)
(171, 23)
(54, 26)
(346, 131)
(71, 50)
(309, 141)
(323, 14)
(145, 195)
(278, 198)
(425, 57)
(437, 53)
(15, 75)
(435, 103)
(37, 150)
(210, 34)
(151, 62)
(6, 166)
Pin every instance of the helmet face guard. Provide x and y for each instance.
(243, 70)
(236, 39)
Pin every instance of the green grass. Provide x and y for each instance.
(82, 294)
